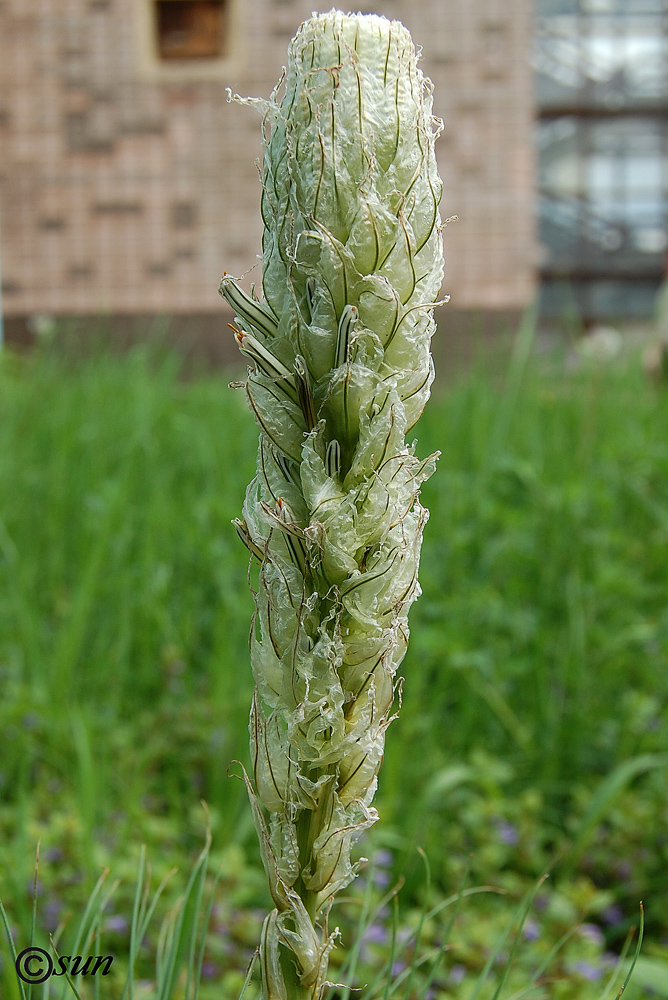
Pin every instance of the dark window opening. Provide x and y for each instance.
(184, 214)
(191, 29)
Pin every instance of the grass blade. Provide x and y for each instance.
(521, 915)
(249, 973)
(33, 921)
(350, 965)
(607, 792)
(636, 954)
(12, 949)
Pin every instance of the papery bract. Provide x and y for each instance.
(352, 265)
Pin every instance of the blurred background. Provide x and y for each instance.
(534, 725)
(127, 182)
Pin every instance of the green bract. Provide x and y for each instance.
(341, 369)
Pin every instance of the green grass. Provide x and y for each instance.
(123, 589)
(535, 705)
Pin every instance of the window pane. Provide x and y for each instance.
(547, 8)
(602, 90)
(609, 61)
(604, 195)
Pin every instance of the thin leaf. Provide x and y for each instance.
(33, 921)
(68, 978)
(605, 795)
(12, 949)
(418, 934)
(520, 914)
(637, 952)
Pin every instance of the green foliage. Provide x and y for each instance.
(422, 957)
(122, 645)
(534, 710)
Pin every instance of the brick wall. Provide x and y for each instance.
(128, 187)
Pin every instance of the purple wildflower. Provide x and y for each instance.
(375, 934)
(51, 914)
(116, 924)
(613, 915)
(507, 833)
(210, 970)
(383, 858)
(398, 968)
(457, 973)
(587, 970)
(380, 878)
(590, 932)
(531, 930)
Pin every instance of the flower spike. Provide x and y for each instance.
(340, 346)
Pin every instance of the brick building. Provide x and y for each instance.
(127, 182)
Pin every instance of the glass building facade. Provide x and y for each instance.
(602, 135)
